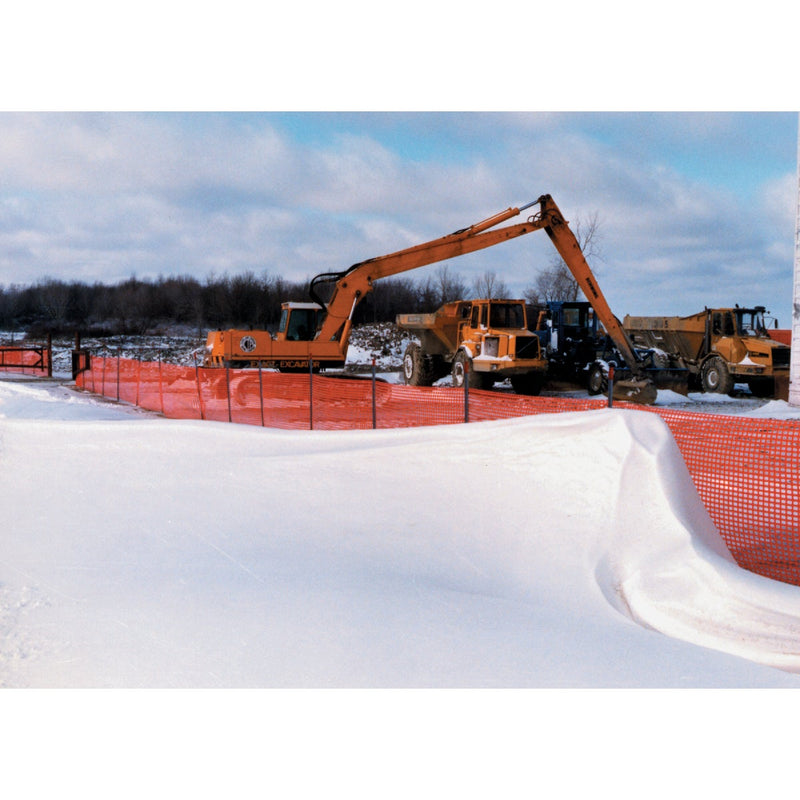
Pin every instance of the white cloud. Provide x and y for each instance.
(100, 197)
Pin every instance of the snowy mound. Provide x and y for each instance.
(139, 551)
(668, 568)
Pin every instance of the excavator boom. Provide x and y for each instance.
(353, 284)
(639, 388)
(325, 344)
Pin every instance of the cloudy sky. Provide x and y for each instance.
(693, 209)
(695, 206)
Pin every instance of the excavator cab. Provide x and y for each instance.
(299, 322)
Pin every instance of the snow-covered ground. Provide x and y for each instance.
(140, 551)
(559, 552)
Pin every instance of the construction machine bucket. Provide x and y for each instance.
(635, 390)
(676, 380)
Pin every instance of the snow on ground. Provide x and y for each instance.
(140, 551)
(557, 551)
(774, 409)
(740, 403)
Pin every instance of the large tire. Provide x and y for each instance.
(597, 383)
(462, 365)
(416, 367)
(530, 383)
(716, 377)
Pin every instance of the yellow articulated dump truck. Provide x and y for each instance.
(478, 341)
(719, 347)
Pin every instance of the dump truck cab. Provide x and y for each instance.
(570, 337)
(496, 339)
(568, 329)
(739, 336)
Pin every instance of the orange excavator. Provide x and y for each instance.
(316, 334)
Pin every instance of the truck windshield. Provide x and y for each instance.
(506, 315)
(750, 323)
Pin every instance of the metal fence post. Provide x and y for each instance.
(197, 381)
(466, 391)
(310, 394)
(138, 374)
(374, 408)
(103, 376)
(228, 390)
(160, 384)
(118, 358)
(261, 394)
(610, 385)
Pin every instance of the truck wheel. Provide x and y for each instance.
(416, 370)
(715, 376)
(530, 383)
(462, 365)
(598, 380)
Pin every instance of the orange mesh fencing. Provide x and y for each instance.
(747, 471)
(28, 359)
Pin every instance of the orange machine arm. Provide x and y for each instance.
(353, 284)
(551, 218)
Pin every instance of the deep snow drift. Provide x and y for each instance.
(565, 550)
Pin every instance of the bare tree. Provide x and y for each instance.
(451, 287)
(54, 297)
(555, 282)
(489, 286)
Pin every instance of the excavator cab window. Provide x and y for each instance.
(300, 324)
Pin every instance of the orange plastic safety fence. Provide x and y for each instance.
(746, 471)
(24, 358)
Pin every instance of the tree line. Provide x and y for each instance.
(248, 300)
(138, 306)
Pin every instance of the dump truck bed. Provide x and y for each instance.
(678, 336)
